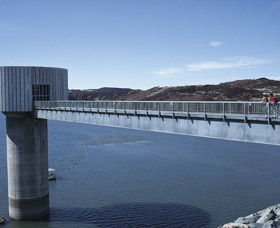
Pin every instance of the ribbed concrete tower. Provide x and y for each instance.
(27, 137)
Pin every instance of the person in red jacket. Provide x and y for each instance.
(273, 99)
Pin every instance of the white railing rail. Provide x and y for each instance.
(206, 107)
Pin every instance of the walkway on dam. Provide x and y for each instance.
(241, 121)
(207, 110)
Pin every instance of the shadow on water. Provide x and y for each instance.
(134, 215)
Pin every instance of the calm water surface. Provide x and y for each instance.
(120, 178)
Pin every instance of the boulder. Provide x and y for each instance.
(266, 218)
(235, 225)
(252, 218)
(269, 224)
(268, 215)
(255, 225)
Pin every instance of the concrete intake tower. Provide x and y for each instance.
(27, 137)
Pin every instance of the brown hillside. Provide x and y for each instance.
(248, 89)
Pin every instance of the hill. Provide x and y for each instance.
(247, 89)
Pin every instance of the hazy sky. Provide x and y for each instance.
(144, 43)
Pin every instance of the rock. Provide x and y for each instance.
(269, 224)
(255, 225)
(268, 215)
(266, 218)
(277, 210)
(235, 225)
(277, 222)
(252, 218)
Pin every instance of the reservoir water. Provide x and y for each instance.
(120, 178)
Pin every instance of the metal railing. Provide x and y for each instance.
(189, 107)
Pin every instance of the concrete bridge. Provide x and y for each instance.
(242, 121)
(29, 96)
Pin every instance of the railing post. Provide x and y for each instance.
(124, 107)
(172, 106)
(204, 106)
(224, 112)
(268, 114)
(245, 117)
(188, 111)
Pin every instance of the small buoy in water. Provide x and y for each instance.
(2, 220)
(51, 175)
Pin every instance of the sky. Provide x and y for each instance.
(143, 43)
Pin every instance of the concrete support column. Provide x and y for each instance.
(27, 158)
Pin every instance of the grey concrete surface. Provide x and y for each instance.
(258, 132)
(16, 86)
(27, 158)
(27, 137)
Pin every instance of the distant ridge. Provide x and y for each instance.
(247, 89)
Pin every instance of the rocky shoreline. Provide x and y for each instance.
(266, 218)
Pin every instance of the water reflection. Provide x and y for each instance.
(135, 215)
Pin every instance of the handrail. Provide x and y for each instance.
(224, 108)
(88, 101)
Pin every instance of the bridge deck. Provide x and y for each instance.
(242, 121)
(226, 111)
